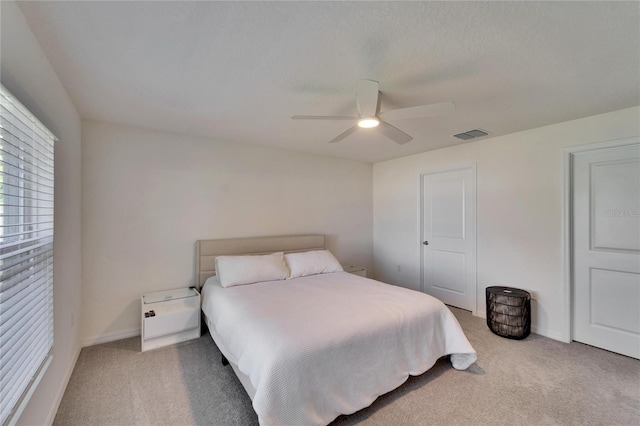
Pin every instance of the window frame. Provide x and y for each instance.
(26, 254)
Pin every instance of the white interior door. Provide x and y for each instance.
(606, 249)
(448, 219)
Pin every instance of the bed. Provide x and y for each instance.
(311, 348)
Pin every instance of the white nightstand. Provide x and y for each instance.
(357, 270)
(169, 317)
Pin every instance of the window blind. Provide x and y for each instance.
(26, 254)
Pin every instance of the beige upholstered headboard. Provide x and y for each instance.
(207, 250)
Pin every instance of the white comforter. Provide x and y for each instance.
(320, 346)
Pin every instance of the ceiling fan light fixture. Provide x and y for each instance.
(369, 115)
(368, 122)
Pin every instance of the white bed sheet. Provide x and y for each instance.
(320, 346)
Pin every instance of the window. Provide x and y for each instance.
(26, 254)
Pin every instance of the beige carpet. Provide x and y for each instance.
(534, 381)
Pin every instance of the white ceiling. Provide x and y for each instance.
(237, 71)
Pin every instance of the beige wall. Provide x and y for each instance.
(519, 210)
(27, 73)
(148, 196)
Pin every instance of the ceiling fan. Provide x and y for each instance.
(369, 115)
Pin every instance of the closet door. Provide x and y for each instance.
(606, 249)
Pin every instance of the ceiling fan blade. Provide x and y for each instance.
(419, 111)
(344, 134)
(393, 133)
(322, 117)
(367, 98)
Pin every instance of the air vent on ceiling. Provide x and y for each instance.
(471, 134)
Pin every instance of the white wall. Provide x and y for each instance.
(27, 73)
(148, 196)
(519, 210)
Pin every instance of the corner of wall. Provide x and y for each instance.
(28, 74)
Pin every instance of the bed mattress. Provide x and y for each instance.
(320, 346)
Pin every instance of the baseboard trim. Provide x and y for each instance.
(110, 337)
(63, 387)
(534, 329)
(546, 333)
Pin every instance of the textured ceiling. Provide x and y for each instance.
(237, 71)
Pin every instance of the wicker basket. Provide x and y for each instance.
(509, 312)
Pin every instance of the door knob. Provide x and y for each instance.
(426, 243)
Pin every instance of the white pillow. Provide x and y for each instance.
(312, 263)
(238, 270)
